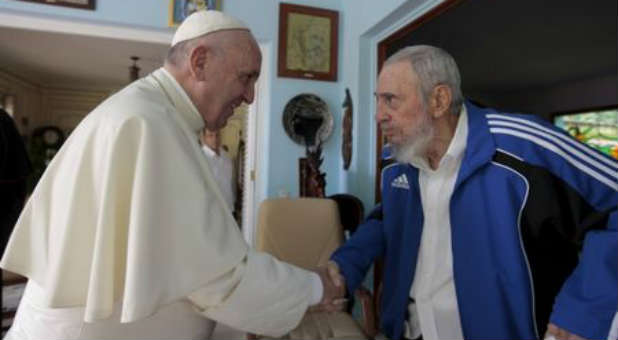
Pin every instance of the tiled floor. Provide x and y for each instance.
(223, 332)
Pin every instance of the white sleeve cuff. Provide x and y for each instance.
(316, 289)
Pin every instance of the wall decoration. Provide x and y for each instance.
(302, 177)
(308, 42)
(180, 9)
(346, 141)
(312, 179)
(307, 120)
(134, 69)
(81, 4)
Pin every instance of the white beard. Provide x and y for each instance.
(416, 144)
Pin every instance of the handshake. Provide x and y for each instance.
(333, 283)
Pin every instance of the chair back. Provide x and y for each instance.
(351, 211)
(301, 231)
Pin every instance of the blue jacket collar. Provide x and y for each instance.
(480, 145)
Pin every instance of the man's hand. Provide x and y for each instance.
(334, 288)
(556, 333)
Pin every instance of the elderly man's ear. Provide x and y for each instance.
(440, 102)
(199, 61)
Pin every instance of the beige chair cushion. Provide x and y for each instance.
(303, 231)
(316, 325)
(337, 325)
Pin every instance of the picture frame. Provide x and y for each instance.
(80, 4)
(308, 42)
(180, 9)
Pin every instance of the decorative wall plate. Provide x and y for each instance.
(307, 120)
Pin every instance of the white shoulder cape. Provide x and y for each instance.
(127, 210)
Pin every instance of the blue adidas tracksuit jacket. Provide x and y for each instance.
(534, 233)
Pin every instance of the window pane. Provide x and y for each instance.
(598, 129)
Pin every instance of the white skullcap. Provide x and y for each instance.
(204, 22)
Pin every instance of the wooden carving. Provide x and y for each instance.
(313, 182)
(346, 144)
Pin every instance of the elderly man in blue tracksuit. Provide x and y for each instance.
(492, 225)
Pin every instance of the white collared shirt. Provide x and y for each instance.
(434, 312)
(223, 172)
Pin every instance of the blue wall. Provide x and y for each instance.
(356, 20)
(280, 161)
(359, 22)
(362, 16)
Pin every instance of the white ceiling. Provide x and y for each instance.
(73, 54)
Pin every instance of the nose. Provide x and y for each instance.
(249, 94)
(381, 112)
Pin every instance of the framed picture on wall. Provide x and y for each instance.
(308, 42)
(82, 4)
(180, 9)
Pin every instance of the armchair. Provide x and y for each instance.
(304, 232)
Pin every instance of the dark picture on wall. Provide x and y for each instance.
(82, 4)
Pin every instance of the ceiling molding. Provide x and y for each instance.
(12, 78)
(22, 20)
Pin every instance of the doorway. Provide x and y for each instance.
(544, 58)
(255, 137)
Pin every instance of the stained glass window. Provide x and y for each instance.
(598, 129)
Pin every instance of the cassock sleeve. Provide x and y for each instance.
(261, 295)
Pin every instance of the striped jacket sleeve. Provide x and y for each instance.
(358, 253)
(587, 300)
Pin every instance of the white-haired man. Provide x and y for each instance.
(126, 236)
(483, 216)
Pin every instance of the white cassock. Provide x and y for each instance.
(223, 171)
(127, 235)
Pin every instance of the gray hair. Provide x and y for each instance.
(177, 53)
(433, 66)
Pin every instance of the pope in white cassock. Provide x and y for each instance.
(128, 236)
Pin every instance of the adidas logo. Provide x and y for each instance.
(401, 182)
